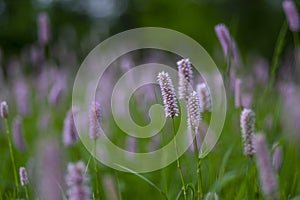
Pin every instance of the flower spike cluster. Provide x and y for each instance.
(168, 94)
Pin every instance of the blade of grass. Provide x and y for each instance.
(143, 178)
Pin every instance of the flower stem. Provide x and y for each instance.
(96, 170)
(164, 174)
(26, 192)
(12, 156)
(198, 161)
(178, 162)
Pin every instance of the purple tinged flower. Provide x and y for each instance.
(247, 100)
(224, 38)
(168, 94)
(204, 97)
(77, 182)
(94, 120)
(21, 94)
(247, 126)
(277, 158)
(185, 75)
(110, 188)
(194, 115)
(267, 176)
(43, 28)
(227, 43)
(131, 144)
(291, 13)
(237, 93)
(50, 171)
(70, 135)
(4, 110)
(57, 89)
(17, 133)
(23, 176)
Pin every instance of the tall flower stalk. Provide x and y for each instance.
(194, 117)
(94, 129)
(171, 110)
(4, 115)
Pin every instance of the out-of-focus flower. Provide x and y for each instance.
(277, 158)
(228, 44)
(49, 176)
(23, 176)
(21, 96)
(110, 188)
(204, 97)
(43, 28)
(77, 181)
(70, 135)
(267, 176)
(4, 109)
(17, 133)
(291, 13)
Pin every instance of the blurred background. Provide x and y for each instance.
(81, 25)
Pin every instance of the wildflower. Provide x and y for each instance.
(291, 13)
(17, 133)
(185, 75)
(168, 94)
(21, 94)
(4, 110)
(49, 170)
(55, 93)
(267, 177)
(23, 176)
(43, 28)
(227, 43)
(94, 120)
(77, 182)
(277, 158)
(204, 97)
(193, 111)
(247, 126)
(70, 135)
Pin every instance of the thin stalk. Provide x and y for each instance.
(196, 152)
(118, 183)
(12, 156)
(276, 55)
(296, 51)
(164, 176)
(227, 73)
(178, 162)
(96, 170)
(26, 192)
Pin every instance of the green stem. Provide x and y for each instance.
(12, 156)
(96, 170)
(276, 55)
(178, 162)
(26, 192)
(296, 51)
(198, 161)
(164, 176)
